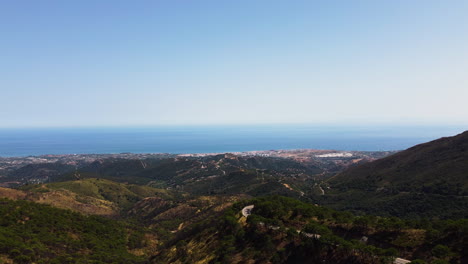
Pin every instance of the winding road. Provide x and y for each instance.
(246, 211)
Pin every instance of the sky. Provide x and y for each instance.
(174, 62)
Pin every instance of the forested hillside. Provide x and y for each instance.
(429, 180)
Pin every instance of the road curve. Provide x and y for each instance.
(246, 211)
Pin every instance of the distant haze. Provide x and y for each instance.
(124, 63)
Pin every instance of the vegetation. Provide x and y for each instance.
(428, 180)
(285, 230)
(98, 192)
(411, 205)
(35, 233)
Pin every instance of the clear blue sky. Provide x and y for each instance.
(90, 63)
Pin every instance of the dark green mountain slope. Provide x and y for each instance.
(35, 233)
(429, 179)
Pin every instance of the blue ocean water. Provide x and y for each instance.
(210, 139)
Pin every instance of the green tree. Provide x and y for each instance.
(441, 251)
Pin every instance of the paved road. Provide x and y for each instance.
(246, 211)
(321, 189)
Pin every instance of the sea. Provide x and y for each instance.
(20, 142)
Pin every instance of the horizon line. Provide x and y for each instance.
(273, 124)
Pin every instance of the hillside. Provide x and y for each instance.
(427, 180)
(225, 174)
(285, 230)
(36, 173)
(35, 233)
(181, 228)
(142, 168)
(87, 196)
